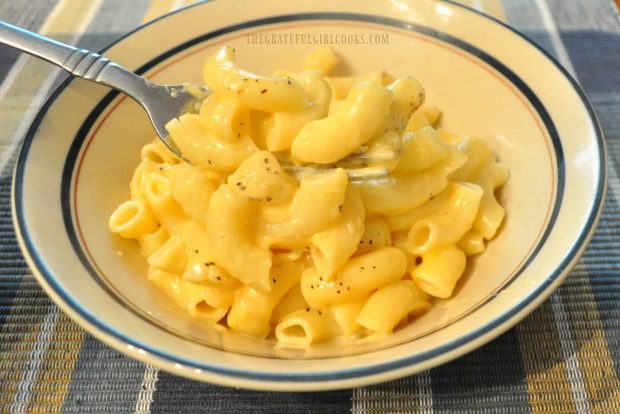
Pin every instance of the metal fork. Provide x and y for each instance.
(162, 103)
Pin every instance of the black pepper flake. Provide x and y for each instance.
(370, 242)
(255, 79)
(320, 313)
(362, 267)
(269, 199)
(311, 286)
(289, 82)
(240, 123)
(307, 309)
(338, 291)
(212, 263)
(340, 208)
(361, 241)
(418, 260)
(268, 169)
(266, 160)
(218, 278)
(209, 161)
(348, 287)
(196, 251)
(374, 267)
(161, 168)
(239, 135)
(239, 184)
(274, 279)
(321, 278)
(207, 264)
(263, 91)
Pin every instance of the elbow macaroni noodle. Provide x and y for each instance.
(235, 240)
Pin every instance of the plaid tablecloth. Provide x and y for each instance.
(563, 358)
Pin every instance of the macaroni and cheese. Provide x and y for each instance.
(267, 231)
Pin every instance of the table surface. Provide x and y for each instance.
(564, 357)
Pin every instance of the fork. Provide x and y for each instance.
(162, 103)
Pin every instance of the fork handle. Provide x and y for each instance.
(79, 62)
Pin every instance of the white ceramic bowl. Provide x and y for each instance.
(490, 81)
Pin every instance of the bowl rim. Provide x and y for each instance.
(455, 347)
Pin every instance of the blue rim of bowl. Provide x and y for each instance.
(584, 235)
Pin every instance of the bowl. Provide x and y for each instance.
(489, 80)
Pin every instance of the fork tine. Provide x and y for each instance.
(354, 174)
(369, 158)
(367, 173)
(169, 143)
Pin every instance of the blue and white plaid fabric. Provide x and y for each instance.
(563, 358)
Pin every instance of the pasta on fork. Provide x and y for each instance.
(235, 238)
